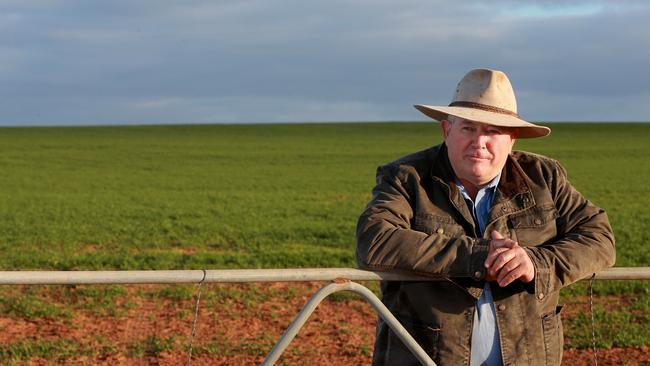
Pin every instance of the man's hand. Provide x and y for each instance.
(507, 261)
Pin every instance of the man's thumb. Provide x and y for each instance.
(497, 235)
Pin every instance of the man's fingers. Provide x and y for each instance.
(493, 254)
(504, 257)
(512, 265)
(506, 276)
(496, 235)
(499, 241)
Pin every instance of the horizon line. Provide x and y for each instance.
(261, 123)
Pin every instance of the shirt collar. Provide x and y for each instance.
(490, 186)
(494, 182)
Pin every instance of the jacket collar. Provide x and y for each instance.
(443, 174)
(513, 193)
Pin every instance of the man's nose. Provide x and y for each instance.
(479, 140)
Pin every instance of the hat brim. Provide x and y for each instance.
(526, 129)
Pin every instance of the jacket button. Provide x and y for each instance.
(540, 295)
(477, 275)
(537, 221)
(501, 307)
(440, 230)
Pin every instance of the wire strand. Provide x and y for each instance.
(593, 321)
(196, 316)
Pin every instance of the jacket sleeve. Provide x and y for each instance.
(386, 241)
(584, 243)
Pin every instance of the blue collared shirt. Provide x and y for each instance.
(486, 350)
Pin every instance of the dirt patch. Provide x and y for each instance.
(237, 325)
(612, 356)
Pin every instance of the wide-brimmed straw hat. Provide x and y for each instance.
(485, 96)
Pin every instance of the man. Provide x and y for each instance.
(501, 231)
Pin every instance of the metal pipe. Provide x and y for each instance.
(379, 307)
(623, 273)
(246, 275)
(98, 277)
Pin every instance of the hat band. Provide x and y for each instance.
(484, 107)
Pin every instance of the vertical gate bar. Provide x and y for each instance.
(298, 323)
(393, 323)
(377, 305)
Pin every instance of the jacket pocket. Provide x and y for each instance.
(426, 336)
(553, 337)
(535, 226)
(435, 224)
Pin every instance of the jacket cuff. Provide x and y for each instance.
(479, 254)
(541, 284)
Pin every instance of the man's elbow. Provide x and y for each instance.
(363, 251)
(612, 256)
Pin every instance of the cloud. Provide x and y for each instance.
(280, 60)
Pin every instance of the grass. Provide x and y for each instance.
(150, 346)
(179, 197)
(622, 322)
(58, 349)
(29, 305)
(241, 196)
(260, 196)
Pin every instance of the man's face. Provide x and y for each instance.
(477, 151)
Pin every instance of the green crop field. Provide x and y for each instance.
(264, 196)
(248, 196)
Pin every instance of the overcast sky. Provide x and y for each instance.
(116, 62)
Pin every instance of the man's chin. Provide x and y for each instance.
(482, 178)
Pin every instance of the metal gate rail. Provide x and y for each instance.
(245, 275)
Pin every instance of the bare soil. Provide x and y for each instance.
(231, 330)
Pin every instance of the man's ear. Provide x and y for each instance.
(445, 125)
(513, 135)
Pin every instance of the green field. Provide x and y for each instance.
(235, 196)
(264, 196)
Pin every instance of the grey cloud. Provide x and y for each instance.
(238, 61)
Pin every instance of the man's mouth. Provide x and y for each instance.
(478, 157)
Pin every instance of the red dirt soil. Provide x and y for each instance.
(230, 331)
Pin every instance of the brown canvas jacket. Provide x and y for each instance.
(418, 223)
